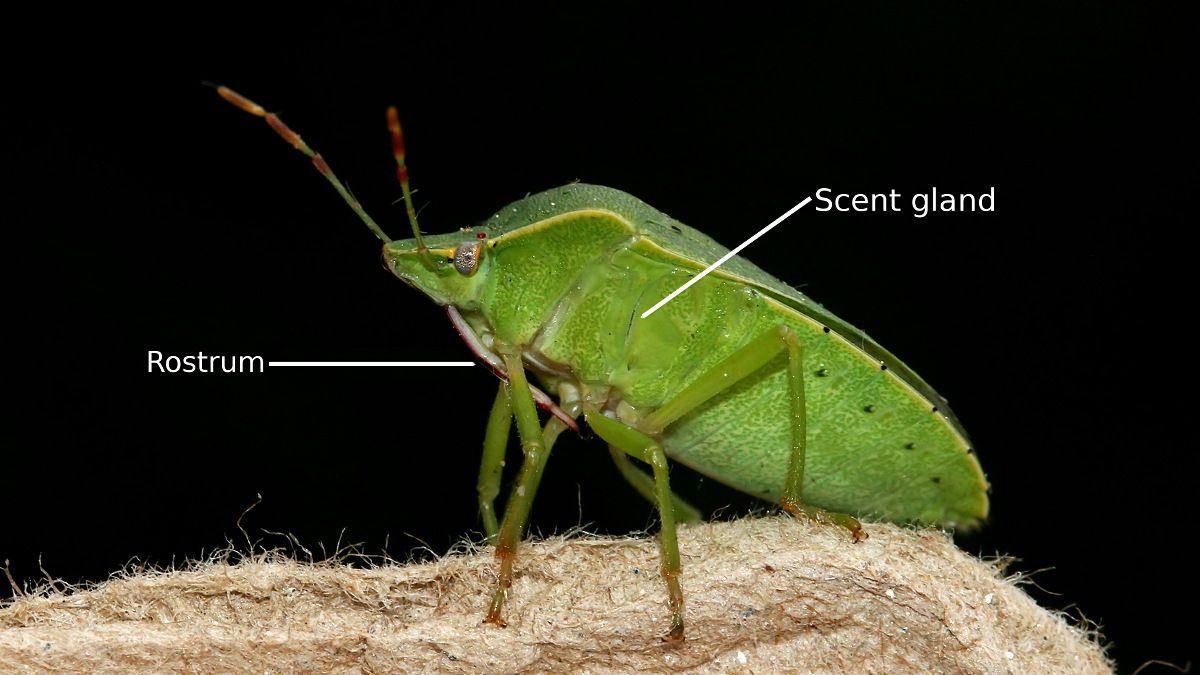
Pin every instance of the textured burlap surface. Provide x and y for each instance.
(763, 595)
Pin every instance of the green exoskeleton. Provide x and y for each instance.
(741, 377)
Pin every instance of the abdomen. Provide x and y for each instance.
(875, 446)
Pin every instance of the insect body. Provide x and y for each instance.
(740, 377)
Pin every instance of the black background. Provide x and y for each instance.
(145, 213)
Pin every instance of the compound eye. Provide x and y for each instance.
(467, 256)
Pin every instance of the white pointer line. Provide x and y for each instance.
(725, 257)
(370, 363)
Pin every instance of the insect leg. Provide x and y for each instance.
(536, 444)
(742, 363)
(645, 448)
(790, 501)
(644, 485)
(492, 465)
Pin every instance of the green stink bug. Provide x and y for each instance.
(741, 377)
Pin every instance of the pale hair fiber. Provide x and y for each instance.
(763, 595)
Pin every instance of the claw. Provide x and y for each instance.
(819, 515)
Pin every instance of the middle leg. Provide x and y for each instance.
(639, 445)
(684, 512)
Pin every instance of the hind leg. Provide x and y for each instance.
(742, 363)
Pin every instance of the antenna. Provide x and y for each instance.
(296, 142)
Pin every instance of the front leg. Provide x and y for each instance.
(536, 444)
(491, 466)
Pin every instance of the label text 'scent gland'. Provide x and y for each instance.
(922, 203)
